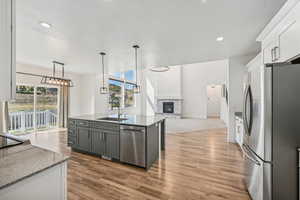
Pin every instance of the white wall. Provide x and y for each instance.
(224, 111)
(195, 78)
(88, 94)
(149, 93)
(236, 72)
(169, 84)
(187, 82)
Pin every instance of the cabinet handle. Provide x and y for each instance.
(275, 53)
(272, 54)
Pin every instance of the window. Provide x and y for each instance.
(115, 93)
(121, 89)
(129, 95)
(35, 108)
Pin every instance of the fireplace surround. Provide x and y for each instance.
(169, 107)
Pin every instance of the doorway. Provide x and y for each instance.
(35, 108)
(213, 101)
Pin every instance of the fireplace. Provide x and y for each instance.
(168, 107)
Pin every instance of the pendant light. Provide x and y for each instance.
(103, 89)
(57, 81)
(136, 88)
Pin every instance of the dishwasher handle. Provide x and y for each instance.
(133, 130)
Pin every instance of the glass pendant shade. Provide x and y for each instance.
(103, 89)
(137, 88)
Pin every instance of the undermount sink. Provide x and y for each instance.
(112, 119)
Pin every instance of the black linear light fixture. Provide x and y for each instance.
(137, 88)
(103, 89)
(58, 81)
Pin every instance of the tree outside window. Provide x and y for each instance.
(121, 86)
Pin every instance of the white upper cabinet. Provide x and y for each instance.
(289, 37)
(280, 38)
(7, 50)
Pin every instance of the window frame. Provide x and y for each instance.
(123, 82)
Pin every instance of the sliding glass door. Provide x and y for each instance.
(35, 108)
(46, 107)
(21, 111)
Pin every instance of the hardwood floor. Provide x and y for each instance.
(195, 166)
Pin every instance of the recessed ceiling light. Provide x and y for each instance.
(45, 25)
(220, 39)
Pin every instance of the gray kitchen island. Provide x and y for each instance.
(130, 139)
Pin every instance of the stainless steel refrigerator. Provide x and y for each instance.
(272, 131)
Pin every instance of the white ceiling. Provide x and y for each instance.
(170, 32)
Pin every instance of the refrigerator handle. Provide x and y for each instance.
(251, 109)
(246, 154)
(245, 120)
(248, 95)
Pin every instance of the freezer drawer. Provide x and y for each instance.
(258, 176)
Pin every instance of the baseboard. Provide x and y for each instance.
(193, 117)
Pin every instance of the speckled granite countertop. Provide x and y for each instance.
(22, 161)
(138, 120)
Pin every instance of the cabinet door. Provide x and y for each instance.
(98, 142)
(72, 132)
(290, 41)
(72, 138)
(7, 50)
(112, 144)
(83, 139)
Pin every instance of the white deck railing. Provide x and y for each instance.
(21, 121)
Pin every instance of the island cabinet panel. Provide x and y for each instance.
(83, 123)
(106, 126)
(72, 137)
(112, 144)
(152, 144)
(104, 138)
(71, 123)
(98, 142)
(83, 139)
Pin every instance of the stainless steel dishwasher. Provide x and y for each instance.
(133, 145)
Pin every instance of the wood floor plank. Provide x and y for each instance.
(195, 166)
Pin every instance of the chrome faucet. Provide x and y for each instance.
(119, 108)
(119, 112)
